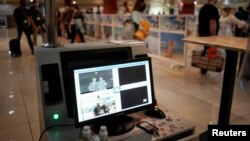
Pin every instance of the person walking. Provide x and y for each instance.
(37, 22)
(22, 19)
(66, 19)
(77, 25)
(208, 25)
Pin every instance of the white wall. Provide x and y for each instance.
(7, 9)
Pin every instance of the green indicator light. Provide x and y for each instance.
(56, 116)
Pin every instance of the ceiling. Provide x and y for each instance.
(84, 3)
(89, 3)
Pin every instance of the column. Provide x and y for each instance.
(109, 6)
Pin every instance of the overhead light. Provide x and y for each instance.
(74, 2)
(11, 96)
(195, 2)
(226, 2)
(11, 112)
(5, 1)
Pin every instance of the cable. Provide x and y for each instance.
(157, 136)
(41, 135)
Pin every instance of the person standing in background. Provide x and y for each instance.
(37, 22)
(241, 14)
(140, 20)
(228, 21)
(58, 19)
(208, 25)
(77, 25)
(23, 21)
(66, 19)
(98, 10)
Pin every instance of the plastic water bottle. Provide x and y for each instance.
(86, 133)
(103, 134)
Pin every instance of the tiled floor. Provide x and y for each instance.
(196, 100)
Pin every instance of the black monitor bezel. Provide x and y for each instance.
(103, 118)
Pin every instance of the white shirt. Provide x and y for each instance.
(137, 17)
(228, 23)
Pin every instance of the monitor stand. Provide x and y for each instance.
(116, 125)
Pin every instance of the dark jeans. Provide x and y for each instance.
(245, 68)
(59, 31)
(27, 31)
(204, 52)
(74, 32)
(67, 31)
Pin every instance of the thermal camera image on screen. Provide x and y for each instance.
(110, 89)
(95, 81)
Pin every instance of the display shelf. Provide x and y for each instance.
(173, 31)
(99, 19)
(91, 39)
(90, 18)
(173, 23)
(117, 31)
(107, 19)
(105, 24)
(154, 21)
(171, 45)
(153, 42)
(108, 32)
(164, 30)
(118, 20)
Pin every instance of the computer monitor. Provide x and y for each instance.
(108, 91)
(91, 56)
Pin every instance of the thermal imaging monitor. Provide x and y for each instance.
(109, 89)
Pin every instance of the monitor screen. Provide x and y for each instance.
(87, 57)
(111, 89)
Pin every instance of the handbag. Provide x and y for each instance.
(212, 63)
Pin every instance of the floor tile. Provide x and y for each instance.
(17, 133)
(35, 129)
(13, 116)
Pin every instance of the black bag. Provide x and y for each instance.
(14, 45)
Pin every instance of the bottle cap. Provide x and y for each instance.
(86, 128)
(103, 128)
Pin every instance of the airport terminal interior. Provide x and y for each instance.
(177, 91)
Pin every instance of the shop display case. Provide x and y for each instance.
(165, 36)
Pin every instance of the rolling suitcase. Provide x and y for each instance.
(14, 45)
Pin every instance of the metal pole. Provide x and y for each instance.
(51, 23)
